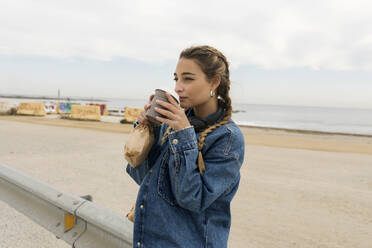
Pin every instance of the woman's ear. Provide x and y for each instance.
(215, 81)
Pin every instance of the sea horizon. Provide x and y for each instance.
(108, 99)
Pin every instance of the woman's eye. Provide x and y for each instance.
(189, 78)
(175, 79)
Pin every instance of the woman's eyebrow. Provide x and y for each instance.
(185, 73)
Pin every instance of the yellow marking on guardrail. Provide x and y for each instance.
(69, 221)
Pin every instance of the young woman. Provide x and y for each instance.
(192, 171)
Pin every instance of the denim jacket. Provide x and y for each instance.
(176, 205)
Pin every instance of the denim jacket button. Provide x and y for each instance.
(138, 244)
(141, 206)
(175, 141)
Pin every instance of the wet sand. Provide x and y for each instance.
(297, 189)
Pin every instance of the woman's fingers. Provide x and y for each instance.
(167, 105)
(142, 118)
(147, 106)
(151, 97)
(172, 113)
(166, 113)
(163, 120)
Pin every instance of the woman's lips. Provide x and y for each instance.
(182, 99)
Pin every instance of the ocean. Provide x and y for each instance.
(323, 119)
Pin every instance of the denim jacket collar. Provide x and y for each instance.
(202, 123)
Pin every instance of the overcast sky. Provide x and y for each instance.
(316, 53)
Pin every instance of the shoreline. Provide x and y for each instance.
(254, 136)
(242, 126)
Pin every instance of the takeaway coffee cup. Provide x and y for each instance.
(151, 113)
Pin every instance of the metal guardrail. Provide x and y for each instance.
(73, 219)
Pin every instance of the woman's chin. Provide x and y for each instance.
(184, 105)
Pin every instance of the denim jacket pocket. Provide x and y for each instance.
(164, 184)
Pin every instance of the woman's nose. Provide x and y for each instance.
(177, 88)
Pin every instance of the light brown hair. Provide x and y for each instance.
(214, 64)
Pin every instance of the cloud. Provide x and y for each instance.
(270, 34)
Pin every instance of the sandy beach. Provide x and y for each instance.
(298, 189)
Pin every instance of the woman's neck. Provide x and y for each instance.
(205, 109)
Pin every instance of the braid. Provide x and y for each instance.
(223, 91)
(165, 136)
(202, 137)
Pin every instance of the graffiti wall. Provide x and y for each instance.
(50, 107)
(31, 108)
(85, 112)
(103, 107)
(65, 107)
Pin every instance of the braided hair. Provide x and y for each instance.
(214, 64)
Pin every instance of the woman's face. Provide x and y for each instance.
(191, 85)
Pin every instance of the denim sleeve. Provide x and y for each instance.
(195, 191)
(139, 173)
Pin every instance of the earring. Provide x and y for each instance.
(212, 93)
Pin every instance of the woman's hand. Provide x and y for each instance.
(142, 119)
(177, 117)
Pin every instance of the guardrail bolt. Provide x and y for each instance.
(75, 234)
(58, 224)
(59, 195)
